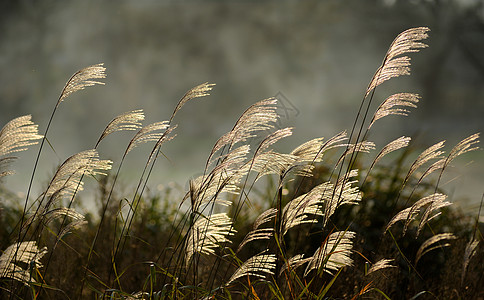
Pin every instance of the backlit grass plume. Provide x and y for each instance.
(433, 243)
(81, 79)
(395, 64)
(258, 117)
(260, 233)
(395, 145)
(127, 121)
(434, 201)
(333, 254)
(322, 200)
(67, 177)
(259, 265)
(381, 264)
(196, 92)
(20, 260)
(395, 105)
(206, 234)
(16, 136)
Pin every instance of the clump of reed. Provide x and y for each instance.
(321, 221)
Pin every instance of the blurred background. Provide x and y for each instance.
(317, 57)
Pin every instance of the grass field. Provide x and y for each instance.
(335, 218)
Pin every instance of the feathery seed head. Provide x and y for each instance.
(258, 266)
(82, 79)
(381, 264)
(196, 92)
(17, 135)
(127, 121)
(395, 105)
(333, 254)
(67, 178)
(429, 244)
(206, 234)
(395, 65)
(149, 133)
(25, 253)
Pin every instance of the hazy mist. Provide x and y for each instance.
(317, 56)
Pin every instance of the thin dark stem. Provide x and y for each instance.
(29, 189)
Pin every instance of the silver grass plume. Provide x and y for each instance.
(433, 206)
(264, 217)
(344, 193)
(81, 79)
(410, 213)
(464, 146)
(16, 136)
(221, 179)
(66, 180)
(128, 121)
(78, 219)
(195, 92)
(149, 133)
(469, 252)
(75, 224)
(381, 264)
(260, 233)
(166, 137)
(429, 244)
(274, 137)
(258, 266)
(336, 140)
(313, 150)
(310, 151)
(349, 174)
(17, 255)
(394, 64)
(269, 162)
(232, 161)
(438, 165)
(206, 188)
(258, 117)
(395, 145)
(255, 235)
(206, 234)
(429, 154)
(322, 200)
(60, 212)
(363, 146)
(391, 106)
(333, 254)
(299, 210)
(293, 263)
